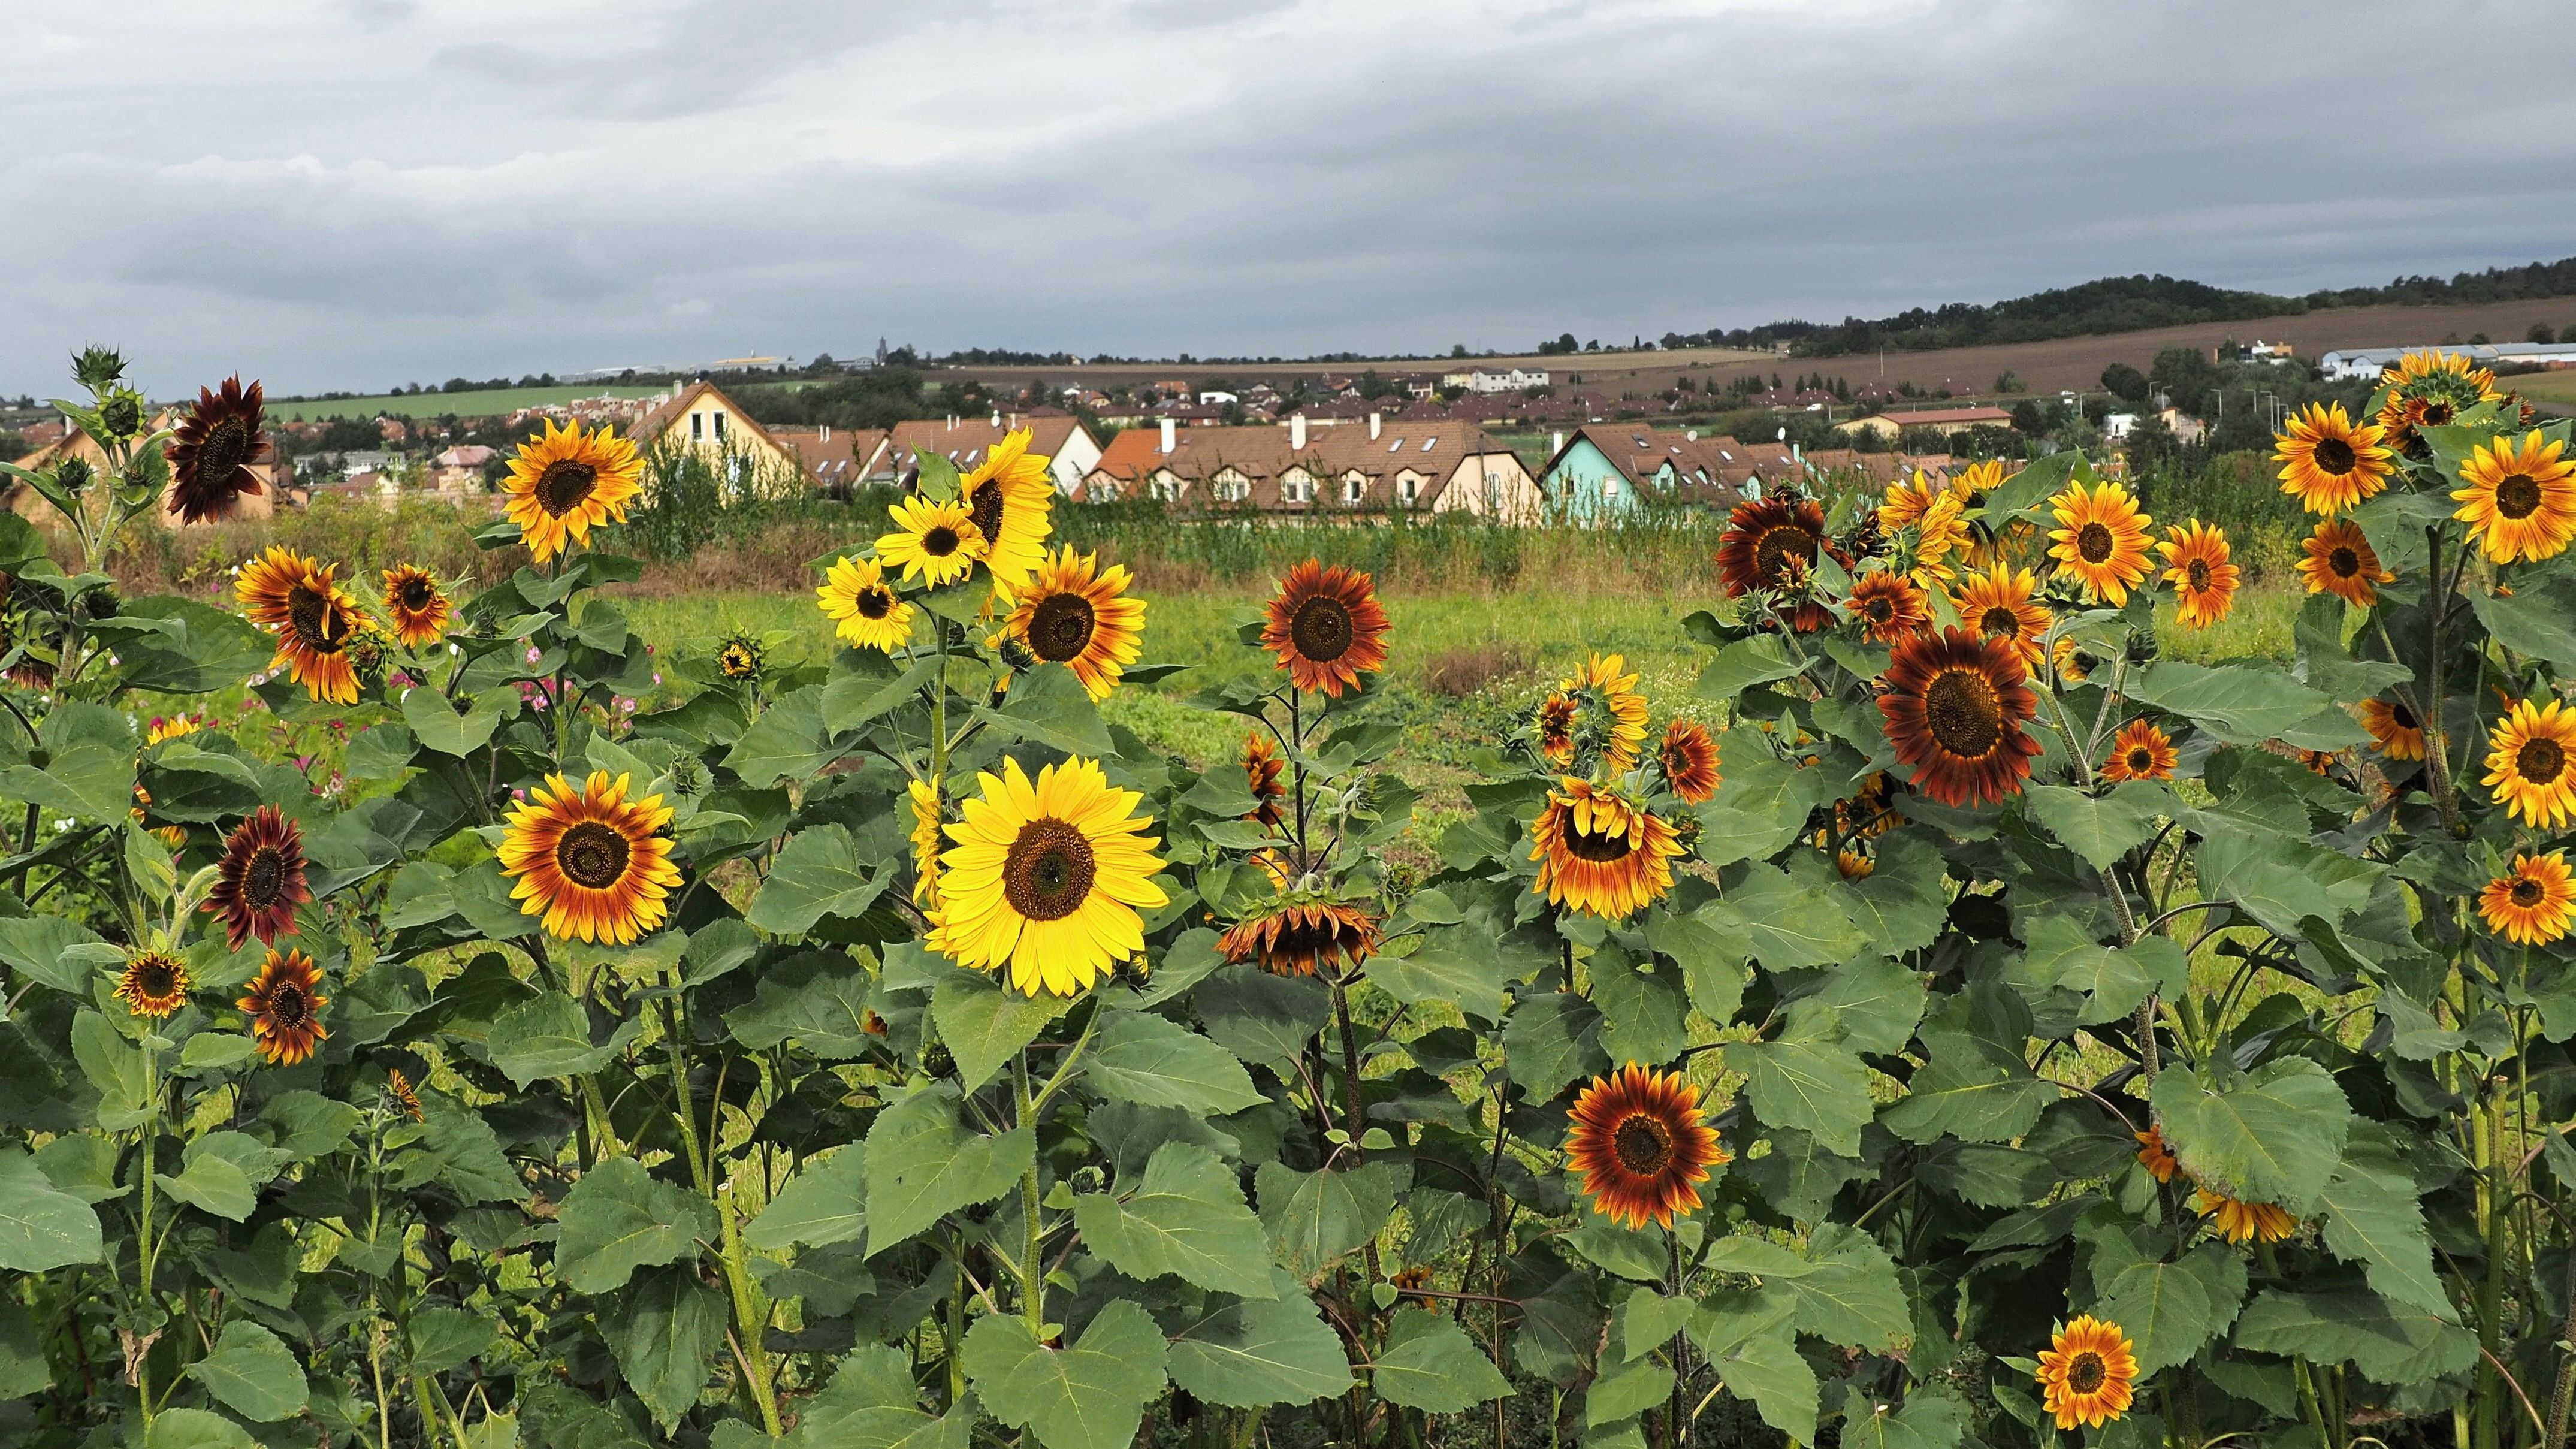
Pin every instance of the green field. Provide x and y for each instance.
(484, 402)
(2554, 391)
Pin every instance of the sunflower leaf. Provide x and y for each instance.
(1431, 1364)
(1048, 706)
(922, 1162)
(1185, 1217)
(1153, 1062)
(1089, 1394)
(1245, 1355)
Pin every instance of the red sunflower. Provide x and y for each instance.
(260, 880)
(1640, 1144)
(1327, 628)
(1955, 704)
(1771, 543)
(212, 454)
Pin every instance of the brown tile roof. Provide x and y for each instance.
(1431, 451)
(965, 441)
(827, 453)
(670, 411)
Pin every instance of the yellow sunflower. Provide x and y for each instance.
(2399, 733)
(2521, 498)
(2003, 603)
(418, 606)
(154, 984)
(2237, 1220)
(2101, 540)
(1907, 502)
(1941, 541)
(2085, 1375)
(855, 593)
(936, 543)
(923, 795)
(1010, 498)
(2329, 462)
(2341, 562)
(2531, 764)
(2531, 904)
(593, 862)
(1046, 877)
(567, 481)
(1595, 708)
(1074, 613)
(2204, 578)
(2429, 390)
(1600, 852)
(313, 618)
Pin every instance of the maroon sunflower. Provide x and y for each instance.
(1689, 760)
(284, 1004)
(260, 881)
(1889, 607)
(212, 454)
(1261, 767)
(1297, 937)
(1639, 1142)
(1327, 627)
(1771, 543)
(1955, 704)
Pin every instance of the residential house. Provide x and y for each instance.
(1607, 470)
(1508, 380)
(2366, 363)
(1381, 468)
(828, 454)
(460, 469)
(894, 456)
(701, 418)
(1888, 425)
(22, 499)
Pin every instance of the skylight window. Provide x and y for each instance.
(1430, 443)
(1396, 447)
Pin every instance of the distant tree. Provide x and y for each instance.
(2008, 381)
(2150, 445)
(1458, 350)
(2027, 418)
(2541, 333)
(2122, 380)
(2186, 375)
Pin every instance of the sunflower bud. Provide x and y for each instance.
(2142, 646)
(121, 415)
(98, 368)
(100, 603)
(740, 657)
(688, 776)
(1017, 654)
(366, 653)
(935, 1060)
(73, 476)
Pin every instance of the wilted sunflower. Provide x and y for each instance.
(212, 452)
(1889, 607)
(2531, 904)
(2329, 462)
(260, 880)
(313, 618)
(399, 1085)
(284, 1004)
(2003, 603)
(2237, 1220)
(2101, 540)
(2203, 576)
(1770, 543)
(855, 592)
(926, 816)
(2073, 663)
(1689, 760)
(936, 543)
(1596, 708)
(2155, 1156)
(591, 861)
(2085, 1374)
(1261, 769)
(1010, 498)
(1326, 627)
(1954, 705)
(2341, 562)
(1638, 1139)
(1070, 611)
(1046, 877)
(1301, 935)
(2399, 733)
(153, 985)
(740, 657)
(2429, 390)
(1600, 852)
(2531, 764)
(418, 606)
(2141, 751)
(566, 482)
(2520, 502)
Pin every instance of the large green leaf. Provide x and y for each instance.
(85, 768)
(2389, 1344)
(1786, 923)
(1745, 663)
(60, 953)
(2101, 829)
(1902, 903)
(922, 1162)
(2242, 704)
(1314, 1219)
(438, 726)
(1047, 705)
(2114, 980)
(2168, 1310)
(212, 648)
(1152, 1062)
(1090, 1394)
(825, 1202)
(1808, 1082)
(1245, 1355)
(24, 1370)
(818, 998)
(1870, 1005)
(2279, 880)
(1927, 1421)
(1626, 1392)
(1849, 1295)
(2538, 619)
(1187, 1218)
(196, 1429)
(1455, 966)
(787, 742)
(41, 1227)
(984, 1026)
(2372, 1217)
(1760, 806)
(2274, 1135)
(252, 1373)
(619, 1218)
(1552, 1039)
(1641, 1012)
(876, 685)
(1976, 1086)
(662, 1330)
(819, 874)
(1430, 1364)
(1746, 1336)
(548, 1035)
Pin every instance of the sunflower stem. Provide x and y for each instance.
(1033, 1261)
(2437, 763)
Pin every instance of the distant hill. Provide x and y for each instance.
(2122, 304)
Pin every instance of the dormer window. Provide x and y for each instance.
(1354, 488)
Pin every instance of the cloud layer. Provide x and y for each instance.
(355, 193)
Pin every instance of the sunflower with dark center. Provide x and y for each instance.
(2155, 1156)
(2100, 540)
(2341, 562)
(2086, 1373)
(2531, 904)
(2202, 571)
(1070, 611)
(1326, 627)
(1301, 935)
(2239, 1221)
(420, 609)
(1599, 852)
(2141, 751)
(2328, 462)
(1638, 1141)
(933, 543)
(589, 860)
(1955, 703)
(260, 880)
(1046, 877)
(399, 1086)
(740, 658)
(856, 594)
(1552, 725)
(1688, 758)
(566, 482)
(154, 984)
(1261, 770)
(2529, 764)
(2520, 502)
(2003, 603)
(1771, 544)
(1011, 498)
(1889, 607)
(283, 1005)
(314, 619)
(214, 450)
(2400, 735)
(2429, 390)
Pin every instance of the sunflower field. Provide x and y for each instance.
(1954, 1024)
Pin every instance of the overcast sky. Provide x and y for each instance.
(358, 193)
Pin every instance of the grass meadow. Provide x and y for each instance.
(475, 403)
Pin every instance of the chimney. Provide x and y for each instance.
(827, 432)
(1691, 436)
(1555, 443)
(1169, 441)
(997, 417)
(1375, 421)
(1297, 433)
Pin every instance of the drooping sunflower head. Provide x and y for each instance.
(1553, 727)
(260, 880)
(2003, 603)
(1906, 500)
(2520, 502)
(2155, 1156)
(567, 481)
(2399, 733)
(2329, 462)
(1326, 627)
(154, 984)
(177, 726)
(1978, 479)
(315, 620)
(2531, 904)
(212, 453)
(1261, 770)
(2086, 1373)
(1870, 811)
(398, 1086)
(2203, 574)
(1046, 877)
(1011, 498)
(1888, 606)
(2531, 763)
(2100, 540)
(283, 1005)
(1941, 541)
(2239, 1221)
(1595, 712)
(740, 657)
(1688, 758)
(1856, 860)
(1771, 544)
(419, 608)
(1600, 852)
(592, 862)
(2429, 390)
(2141, 751)
(2340, 561)
(2073, 662)
(1955, 703)
(856, 593)
(1299, 935)
(1639, 1143)
(1070, 611)
(935, 543)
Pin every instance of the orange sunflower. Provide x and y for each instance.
(1954, 705)
(1599, 852)
(2101, 539)
(154, 984)
(1327, 628)
(284, 1005)
(2520, 502)
(2341, 562)
(2155, 1156)
(591, 861)
(260, 880)
(2327, 461)
(2204, 577)
(1638, 1139)
(1906, 502)
(2003, 603)
(1261, 770)
(1072, 612)
(1770, 543)
(2237, 1220)
(2531, 764)
(2429, 390)
(407, 1096)
(2140, 752)
(419, 608)
(213, 452)
(313, 618)
(1299, 935)
(1688, 757)
(1595, 709)
(2531, 904)
(2086, 1373)
(2399, 733)
(1889, 607)
(566, 482)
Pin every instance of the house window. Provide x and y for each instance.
(697, 427)
(720, 437)
(1295, 488)
(1408, 489)
(1354, 488)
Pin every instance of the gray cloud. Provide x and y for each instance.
(368, 191)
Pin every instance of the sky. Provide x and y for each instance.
(353, 194)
